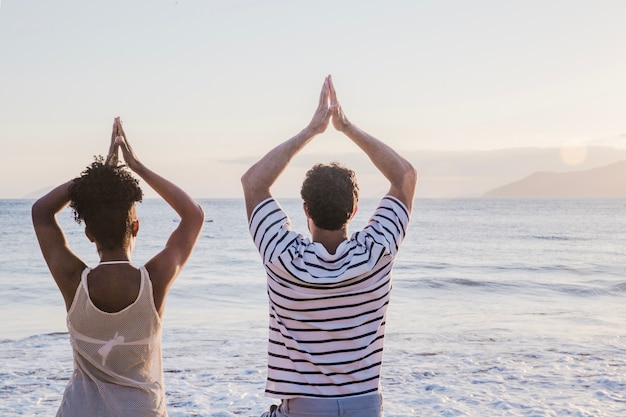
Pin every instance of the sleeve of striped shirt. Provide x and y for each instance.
(270, 229)
(388, 224)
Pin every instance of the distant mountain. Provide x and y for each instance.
(37, 194)
(442, 174)
(450, 174)
(605, 182)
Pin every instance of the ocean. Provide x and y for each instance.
(500, 308)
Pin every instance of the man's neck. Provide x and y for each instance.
(330, 239)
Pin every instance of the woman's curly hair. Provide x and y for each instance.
(330, 193)
(103, 196)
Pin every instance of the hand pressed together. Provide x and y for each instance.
(320, 119)
(119, 141)
(328, 107)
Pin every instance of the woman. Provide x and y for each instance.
(114, 310)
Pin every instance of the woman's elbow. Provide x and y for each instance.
(199, 214)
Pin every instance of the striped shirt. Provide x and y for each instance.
(327, 312)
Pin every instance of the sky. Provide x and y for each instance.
(205, 88)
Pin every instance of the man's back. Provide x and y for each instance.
(327, 311)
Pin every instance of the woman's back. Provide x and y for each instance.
(117, 355)
(114, 311)
(113, 286)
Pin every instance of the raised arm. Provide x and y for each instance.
(167, 264)
(400, 173)
(64, 265)
(261, 176)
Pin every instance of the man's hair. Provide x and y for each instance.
(103, 196)
(330, 193)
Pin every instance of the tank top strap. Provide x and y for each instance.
(146, 284)
(81, 288)
(83, 275)
(83, 280)
(144, 273)
(146, 287)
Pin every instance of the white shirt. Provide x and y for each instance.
(327, 312)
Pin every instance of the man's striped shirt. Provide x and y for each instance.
(327, 312)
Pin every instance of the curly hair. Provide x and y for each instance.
(330, 193)
(103, 196)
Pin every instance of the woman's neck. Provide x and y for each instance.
(108, 255)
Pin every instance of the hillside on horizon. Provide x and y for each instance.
(442, 174)
(608, 181)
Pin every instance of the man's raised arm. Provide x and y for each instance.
(400, 173)
(261, 176)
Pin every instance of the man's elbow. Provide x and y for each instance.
(251, 182)
(247, 180)
(411, 176)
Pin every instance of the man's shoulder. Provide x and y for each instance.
(391, 202)
(264, 205)
(390, 210)
(268, 209)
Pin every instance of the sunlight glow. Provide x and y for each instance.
(574, 155)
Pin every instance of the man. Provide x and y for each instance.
(328, 297)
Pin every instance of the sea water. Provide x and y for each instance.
(499, 308)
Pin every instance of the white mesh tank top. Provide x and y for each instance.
(118, 369)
